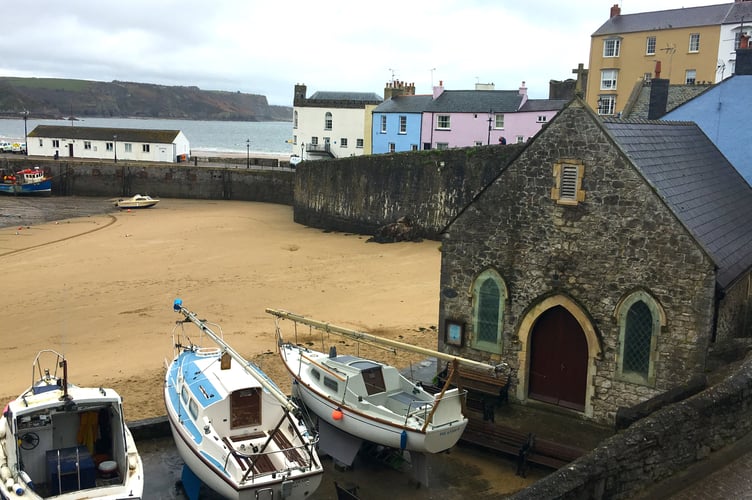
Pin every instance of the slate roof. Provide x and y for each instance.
(365, 97)
(404, 104)
(698, 183)
(476, 101)
(689, 17)
(105, 134)
(544, 105)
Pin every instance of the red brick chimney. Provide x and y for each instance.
(615, 10)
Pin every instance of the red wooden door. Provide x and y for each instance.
(558, 360)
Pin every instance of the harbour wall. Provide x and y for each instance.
(208, 181)
(361, 194)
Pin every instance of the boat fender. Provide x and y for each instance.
(132, 462)
(9, 484)
(20, 490)
(403, 440)
(26, 479)
(337, 414)
(4, 472)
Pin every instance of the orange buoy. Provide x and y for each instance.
(337, 414)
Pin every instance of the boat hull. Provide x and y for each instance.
(214, 478)
(358, 417)
(43, 187)
(232, 433)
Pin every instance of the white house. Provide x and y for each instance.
(126, 144)
(331, 124)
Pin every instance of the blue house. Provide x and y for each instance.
(722, 112)
(397, 123)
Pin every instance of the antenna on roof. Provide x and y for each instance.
(392, 71)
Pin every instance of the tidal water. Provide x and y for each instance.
(236, 137)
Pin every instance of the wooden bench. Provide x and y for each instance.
(485, 390)
(523, 445)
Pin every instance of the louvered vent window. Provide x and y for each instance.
(568, 178)
(569, 182)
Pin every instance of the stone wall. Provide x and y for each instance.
(361, 194)
(168, 181)
(657, 447)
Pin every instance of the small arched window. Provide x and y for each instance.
(328, 121)
(640, 319)
(489, 299)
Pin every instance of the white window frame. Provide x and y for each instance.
(650, 46)
(328, 121)
(690, 77)
(611, 47)
(609, 79)
(694, 42)
(392, 147)
(359, 143)
(383, 124)
(403, 124)
(499, 121)
(343, 142)
(542, 119)
(606, 104)
(443, 122)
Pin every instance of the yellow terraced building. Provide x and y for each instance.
(685, 46)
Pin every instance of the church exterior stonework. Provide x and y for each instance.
(591, 267)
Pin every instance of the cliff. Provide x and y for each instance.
(58, 98)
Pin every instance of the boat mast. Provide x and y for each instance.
(356, 335)
(262, 379)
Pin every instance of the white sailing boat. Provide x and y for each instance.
(236, 431)
(370, 400)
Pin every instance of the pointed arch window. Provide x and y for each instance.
(489, 300)
(640, 318)
(328, 121)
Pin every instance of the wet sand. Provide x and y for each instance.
(99, 288)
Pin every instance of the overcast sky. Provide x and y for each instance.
(267, 47)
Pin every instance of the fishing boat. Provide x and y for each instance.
(236, 431)
(26, 181)
(136, 201)
(58, 440)
(369, 400)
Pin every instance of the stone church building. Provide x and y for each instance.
(602, 264)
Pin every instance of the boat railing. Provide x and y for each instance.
(261, 464)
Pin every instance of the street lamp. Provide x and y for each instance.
(490, 119)
(114, 146)
(26, 134)
(248, 153)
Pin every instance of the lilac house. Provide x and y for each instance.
(461, 118)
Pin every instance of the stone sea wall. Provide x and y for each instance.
(361, 194)
(167, 181)
(657, 447)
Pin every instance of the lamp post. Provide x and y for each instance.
(490, 119)
(248, 153)
(26, 134)
(114, 146)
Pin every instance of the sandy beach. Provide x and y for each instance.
(100, 289)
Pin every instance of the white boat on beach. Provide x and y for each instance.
(369, 400)
(58, 440)
(135, 201)
(236, 431)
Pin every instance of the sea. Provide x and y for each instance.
(209, 136)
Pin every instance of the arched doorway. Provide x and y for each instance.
(558, 360)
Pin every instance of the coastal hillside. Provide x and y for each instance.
(59, 98)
